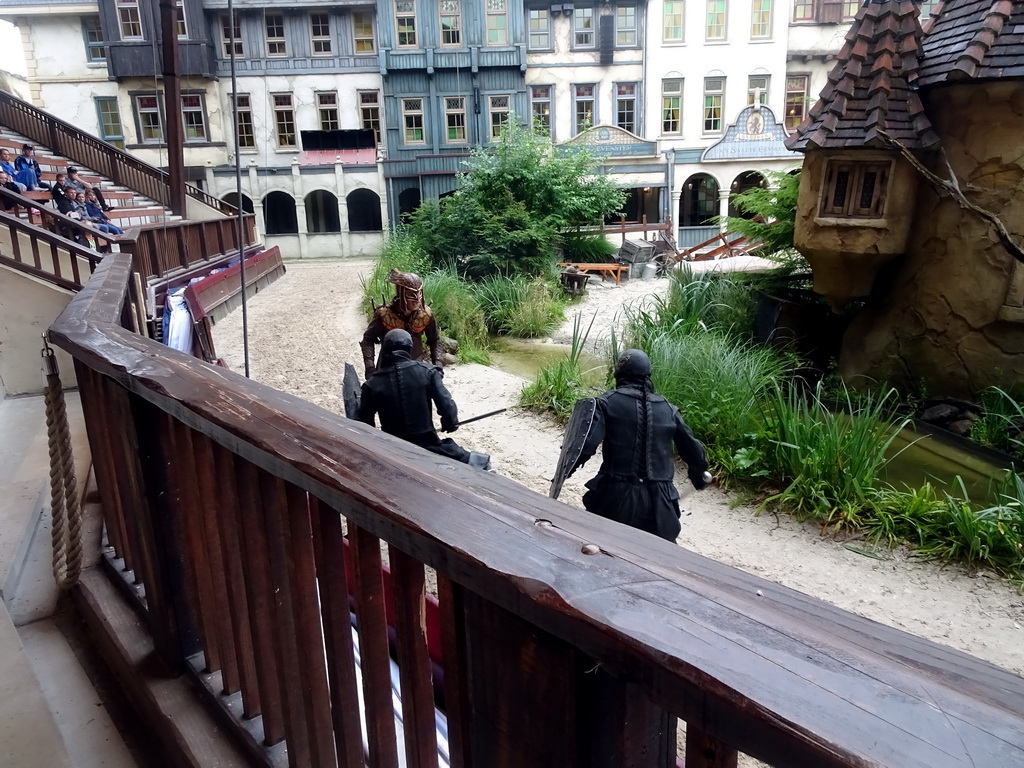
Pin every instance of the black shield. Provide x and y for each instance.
(350, 389)
(576, 432)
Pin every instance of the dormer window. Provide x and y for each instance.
(855, 189)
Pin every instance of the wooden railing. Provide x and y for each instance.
(722, 244)
(160, 249)
(567, 639)
(62, 138)
(43, 253)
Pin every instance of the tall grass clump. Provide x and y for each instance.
(516, 306)
(1002, 423)
(717, 385)
(831, 459)
(458, 313)
(559, 385)
(587, 248)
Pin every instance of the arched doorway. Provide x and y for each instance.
(408, 200)
(743, 182)
(322, 212)
(232, 199)
(364, 211)
(698, 203)
(279, 214)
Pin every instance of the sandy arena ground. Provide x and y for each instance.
(304, 327)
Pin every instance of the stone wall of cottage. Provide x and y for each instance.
(948, 315)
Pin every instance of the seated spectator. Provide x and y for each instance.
(94, 214)
(8, 167)
(27, 170)
(64, 197)
(9, 184)
(81, 185)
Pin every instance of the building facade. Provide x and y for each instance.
(349, 114)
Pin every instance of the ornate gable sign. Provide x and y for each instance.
(609, 141)
(756, 135)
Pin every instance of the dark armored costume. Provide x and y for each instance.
(408, 312)
(403, 391)
(637, 429)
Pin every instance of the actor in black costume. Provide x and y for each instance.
(636, 429)
(402, 392)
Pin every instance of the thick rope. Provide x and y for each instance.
(65, 512)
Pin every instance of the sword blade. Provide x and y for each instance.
(482, 416)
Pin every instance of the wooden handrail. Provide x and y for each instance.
(569, 640)
(53, 217)
(161, 249)
(43, 254)
(85, 149)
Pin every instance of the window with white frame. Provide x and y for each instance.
(369, 112)
(363, 33)
(273, 24)
(672, 22)
(129, 20)
(405, 23)
(246, 133)
(412, 121)
(320, 33)
(284, 120)
(671, 106)
(193, 117)
(757, 89)
(761, 19)
(497, 115)
(796, 100)
(927, 7)
(625, 106)
(451, 22)
(716, 19)
(583, 106)
(540, 107)
(455, 119)
(497, 22)
(803, 10)
(850, 8)
(583, 28)
(540, 29)
(231, 36)
(714, 96)
(327, 109)
(148, 119)
(95, 47)
(625, 25)
(179, 18)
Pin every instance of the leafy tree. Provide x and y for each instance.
(512, 205)
(775, 206)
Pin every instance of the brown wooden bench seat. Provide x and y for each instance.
(613, 270)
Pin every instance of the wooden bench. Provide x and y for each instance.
(614, 270)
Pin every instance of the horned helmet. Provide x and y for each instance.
(410, 291)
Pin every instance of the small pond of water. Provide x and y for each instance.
(525, 358)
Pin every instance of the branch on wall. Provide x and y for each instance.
(953, 188)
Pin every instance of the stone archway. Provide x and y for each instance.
(743, 182)
(279, 214)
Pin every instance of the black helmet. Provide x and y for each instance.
(633, 364)
(397, 340)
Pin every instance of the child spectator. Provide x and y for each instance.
(81, 185)
(95, 215)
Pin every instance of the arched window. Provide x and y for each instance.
(743, 182)
(232, 199)
(364, 211)
(699, 201)
(279, 214)
(322, 212)
(408, 200)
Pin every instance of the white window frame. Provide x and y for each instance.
(327, 110)
(320, 44)
(539, 23)
(496, 22)
(369, 112)
(716, 20)
(577, 99)
(413, 108)
(284, 115)
(584, 30)
(761, 13)
(758, 81)
(713, 110)
(196, 108)
(626, 26)
(364, 33)
(244, 108)
(791, 91)
(277, 45)
(672, 91)
(455, 119)
(498, 114)
(180, 21)
(673, 17)
(453, 12)
(405, 13)
(129, 17)
(150, 110)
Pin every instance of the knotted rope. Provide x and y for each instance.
(65, 513)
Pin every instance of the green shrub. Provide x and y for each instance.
(515, 306)
(559, 385)
(458, 313)
(1001, 426)
(587, 248)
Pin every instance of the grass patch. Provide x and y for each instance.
(515, 306)
(458, 312)
(1002, 423)
(559, 385)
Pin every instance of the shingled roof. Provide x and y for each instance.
(869, 89)
(974, 40)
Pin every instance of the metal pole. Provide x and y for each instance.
(240, 231)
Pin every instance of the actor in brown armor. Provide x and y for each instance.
(408, 312)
